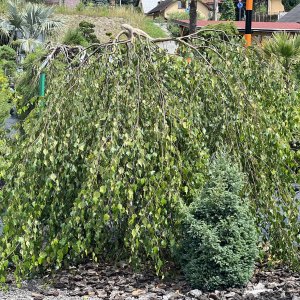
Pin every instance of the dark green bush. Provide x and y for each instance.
(219, 245)
(75, 37)
(8, 60)
(87, 30)
(7, 53)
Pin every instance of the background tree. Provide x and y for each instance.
(31, 23)
(289, 4)
(227, 10)
(193, 16)
(285, 48)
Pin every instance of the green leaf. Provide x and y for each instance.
(103, 189)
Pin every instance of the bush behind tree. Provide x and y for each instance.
(227, 11)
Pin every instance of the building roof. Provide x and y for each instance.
(292, 16)
(160, 7)
(165, 3)
(256, 26)
(147, 5)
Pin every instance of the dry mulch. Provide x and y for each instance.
(102, 281)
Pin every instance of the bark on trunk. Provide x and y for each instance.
(216, 10)
(193, 16)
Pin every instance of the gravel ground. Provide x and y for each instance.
(91, 282)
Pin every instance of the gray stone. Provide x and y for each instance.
(54, 293)
(37, 296)
(230, 295)
(101, 293)
(271, 285)
(195, 293)
(213, 296)
(148, 296)
(172, 296)
(158, 291)
(138, 292)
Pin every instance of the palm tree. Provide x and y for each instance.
(31, 23)
(5, 29)
(285, 48)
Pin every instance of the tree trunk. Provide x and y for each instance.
(193, 16)
(216, 10)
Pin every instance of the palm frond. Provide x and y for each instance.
(15, 14)
(283, 46)
(29, 45)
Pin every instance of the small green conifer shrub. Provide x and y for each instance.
(219, 244)
(75, 37)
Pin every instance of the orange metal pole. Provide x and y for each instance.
(248, 23)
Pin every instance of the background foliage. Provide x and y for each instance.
(227, 11)
(8, 60)
(6, 97)
(290, 4)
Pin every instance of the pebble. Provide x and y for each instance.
(230, 295)
(196, 293)
(37, 296)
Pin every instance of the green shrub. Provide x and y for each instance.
(75, 37)
(228, 28)
(8, 60)
(80, 6)
(227, 10)
(88, 32)
(219, 245)
(7, 53)
(6, 97)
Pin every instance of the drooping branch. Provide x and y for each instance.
(82, 55)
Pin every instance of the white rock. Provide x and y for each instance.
(195, 293)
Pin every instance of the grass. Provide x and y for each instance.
(131, 15)
(2, 7)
